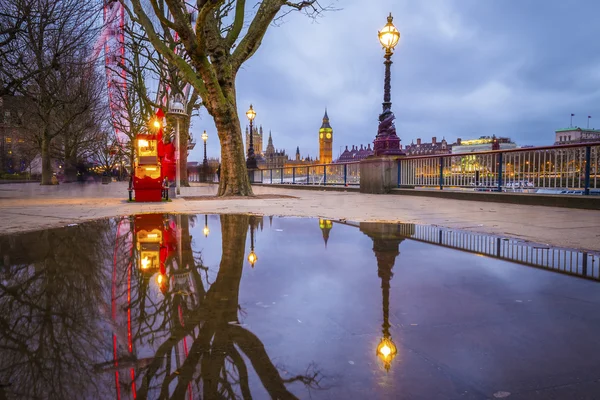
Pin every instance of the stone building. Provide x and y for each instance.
(422, 149)
(257, 140)
(576, 135)
(355, 154)
(16, 153)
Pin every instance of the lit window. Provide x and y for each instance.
(8, 140)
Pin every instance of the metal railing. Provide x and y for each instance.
(565, 169)
(345, 174)
(572, 262)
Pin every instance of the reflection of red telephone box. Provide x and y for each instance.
(147, 175)
(151, 238)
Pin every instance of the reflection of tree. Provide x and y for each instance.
(215, 365)
(50, 296)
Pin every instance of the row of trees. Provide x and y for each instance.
(47, 55)
(45, 58)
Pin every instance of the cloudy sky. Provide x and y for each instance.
(463, 68)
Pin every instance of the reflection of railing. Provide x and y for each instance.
(567, 261)
(565, 169)
(345, 174)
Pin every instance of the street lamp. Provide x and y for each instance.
(387, 142)
(177, 108)
(251, 160)
(205, 161)
(252, 257)
(206, 231)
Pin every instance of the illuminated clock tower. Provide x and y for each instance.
(325, 141)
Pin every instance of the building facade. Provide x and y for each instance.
(576, 135)
(15, 155)
(484, 143)
(257, 140)
(422, 149)
(355, 154)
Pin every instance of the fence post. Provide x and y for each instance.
(281, 176)
(399, 175)
(307, 175)
(588, 161)
(293, 175)
(345, 174)
(324, 175)
(441, 173)
(499, 172)
(262, 178)
(271, 176)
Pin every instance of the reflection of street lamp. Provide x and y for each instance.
(386, 351)
(251, 160)
(252, 257)
(206, 231)
(205, 161)
(387, 142)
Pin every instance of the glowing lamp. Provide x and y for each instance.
(251, 114)
(206, 231)
(252, 258)
(204, 136)
(389, 35)
(386, 351)
(156, 124)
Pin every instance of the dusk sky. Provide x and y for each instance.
(462, 68)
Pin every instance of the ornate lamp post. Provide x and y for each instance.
(251, 160)
(177, 108)
(387, 142)
(206, 231)
(252, 257)
(205, 161)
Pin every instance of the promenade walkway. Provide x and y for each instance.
(26, 207)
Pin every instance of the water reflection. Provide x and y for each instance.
(386, 241)
(159, 328)
(50, 291)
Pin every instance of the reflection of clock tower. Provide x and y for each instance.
(325, 141)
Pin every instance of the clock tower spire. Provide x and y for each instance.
(325, 141)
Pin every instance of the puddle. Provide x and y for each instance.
(195, 306)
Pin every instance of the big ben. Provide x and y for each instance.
(325, 141)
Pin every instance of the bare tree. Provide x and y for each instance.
(45, 60)
(208, 55)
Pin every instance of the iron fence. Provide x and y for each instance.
(566, 169)
(345, 174)
(573, 262)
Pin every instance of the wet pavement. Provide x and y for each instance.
(237, 306)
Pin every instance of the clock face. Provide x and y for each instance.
(321, 135)
(328, 135)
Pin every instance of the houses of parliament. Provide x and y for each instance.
(274, 158)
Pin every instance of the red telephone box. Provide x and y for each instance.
(147, 175)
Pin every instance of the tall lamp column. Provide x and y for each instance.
(387, 142)
(205, 161)
(251, 160)
(177, 108)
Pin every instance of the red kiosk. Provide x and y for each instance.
(154, 161)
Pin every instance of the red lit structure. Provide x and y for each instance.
(154, 162)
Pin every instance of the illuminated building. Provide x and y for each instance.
(422, 149)
(576, 135)
(484, 143)
(325, 141)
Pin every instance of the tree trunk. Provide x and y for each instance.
(70, 168)
(184, 132)
(46, 162)
(233, 175)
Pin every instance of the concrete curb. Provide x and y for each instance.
(582, 202)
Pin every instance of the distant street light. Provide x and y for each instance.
(206, 231)
(251, 160)
(205, 161)
(252, 257)
(387, 142)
